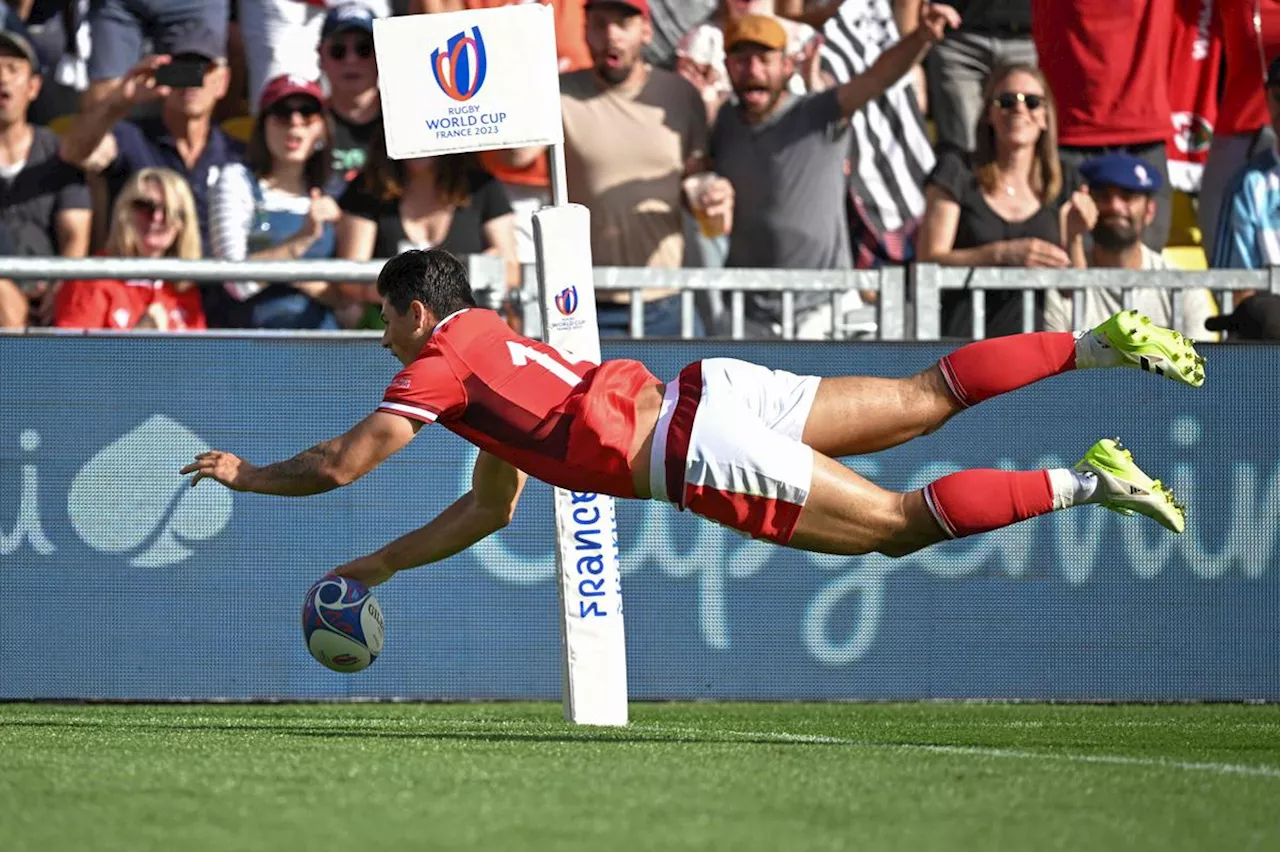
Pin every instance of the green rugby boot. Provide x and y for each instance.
(1124, 488)
(1130, 339)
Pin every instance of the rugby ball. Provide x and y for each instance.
(342, 624)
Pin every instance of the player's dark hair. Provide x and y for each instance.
(433, 277)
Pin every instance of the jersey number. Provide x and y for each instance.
(522, 355)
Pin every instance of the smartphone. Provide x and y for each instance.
(184, 72)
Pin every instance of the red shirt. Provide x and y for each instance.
(569, 423)
(109, 303)
(1243, 108)
(1107, 62)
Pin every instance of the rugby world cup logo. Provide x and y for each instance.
(460, 68)
(567, 301)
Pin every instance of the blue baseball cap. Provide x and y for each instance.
(348, 16)
(1123, 171)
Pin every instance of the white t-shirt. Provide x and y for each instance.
(1198, 304)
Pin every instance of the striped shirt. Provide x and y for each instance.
(1249, 222)
(889, 150)
(232, 215)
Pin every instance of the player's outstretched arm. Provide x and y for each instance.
(324, 467)
(485, 509)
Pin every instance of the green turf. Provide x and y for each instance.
(733, 777)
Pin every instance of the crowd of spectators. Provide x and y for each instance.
(698, 132)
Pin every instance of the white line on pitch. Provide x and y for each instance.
(1019, 754)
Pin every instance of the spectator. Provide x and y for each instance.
(670, 20)
(992, 34)
(1116, 206)
(52, 26)
(14, 307)
(182, 138)
(118, 28)
(280, 37)
(1255, 318)
(1249, 227)
(349, 67)
(1108, 65)
(429, 202)
(784, 155)
(524, 172)
(44, 202)
(571, 47)
(700, 54)
(274, 208)
(154, 216)
(1003, 210)
(632, 132)
(1250, 32)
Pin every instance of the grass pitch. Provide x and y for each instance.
(682, 777)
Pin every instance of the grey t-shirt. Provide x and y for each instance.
(789, 192)
(31, 200)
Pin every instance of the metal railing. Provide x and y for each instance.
(928, 280)
(907, 303)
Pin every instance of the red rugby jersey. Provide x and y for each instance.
(567, 422)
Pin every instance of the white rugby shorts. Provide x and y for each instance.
(727, 446)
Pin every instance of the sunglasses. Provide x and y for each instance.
(338, 50)
(148, 208)
(1010, 100)
(285, 110)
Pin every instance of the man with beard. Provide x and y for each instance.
(1116, 206)
(784, 155)
(632, 133)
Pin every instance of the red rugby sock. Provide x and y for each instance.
(976, 501)
(989, 368)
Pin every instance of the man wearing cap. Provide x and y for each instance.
(1256, 318)
(784, 155)
(348, 64)
(1116, 206)
(44, 202)
(119, 27)
(183, 137)
(1249, 221)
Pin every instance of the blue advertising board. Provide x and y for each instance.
(119, 582)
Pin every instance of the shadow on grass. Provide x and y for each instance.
(594, 736)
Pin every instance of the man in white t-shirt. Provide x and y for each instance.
(1115, 207)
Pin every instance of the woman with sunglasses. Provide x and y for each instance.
(1001, 206)
(275, 209)
(444, 202)
(154, 216)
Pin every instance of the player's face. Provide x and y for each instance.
(406, 333)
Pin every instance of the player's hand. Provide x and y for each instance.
(227, 468)
(935, 19)
(367, 569)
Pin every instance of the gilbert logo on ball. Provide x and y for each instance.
(342, 624)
